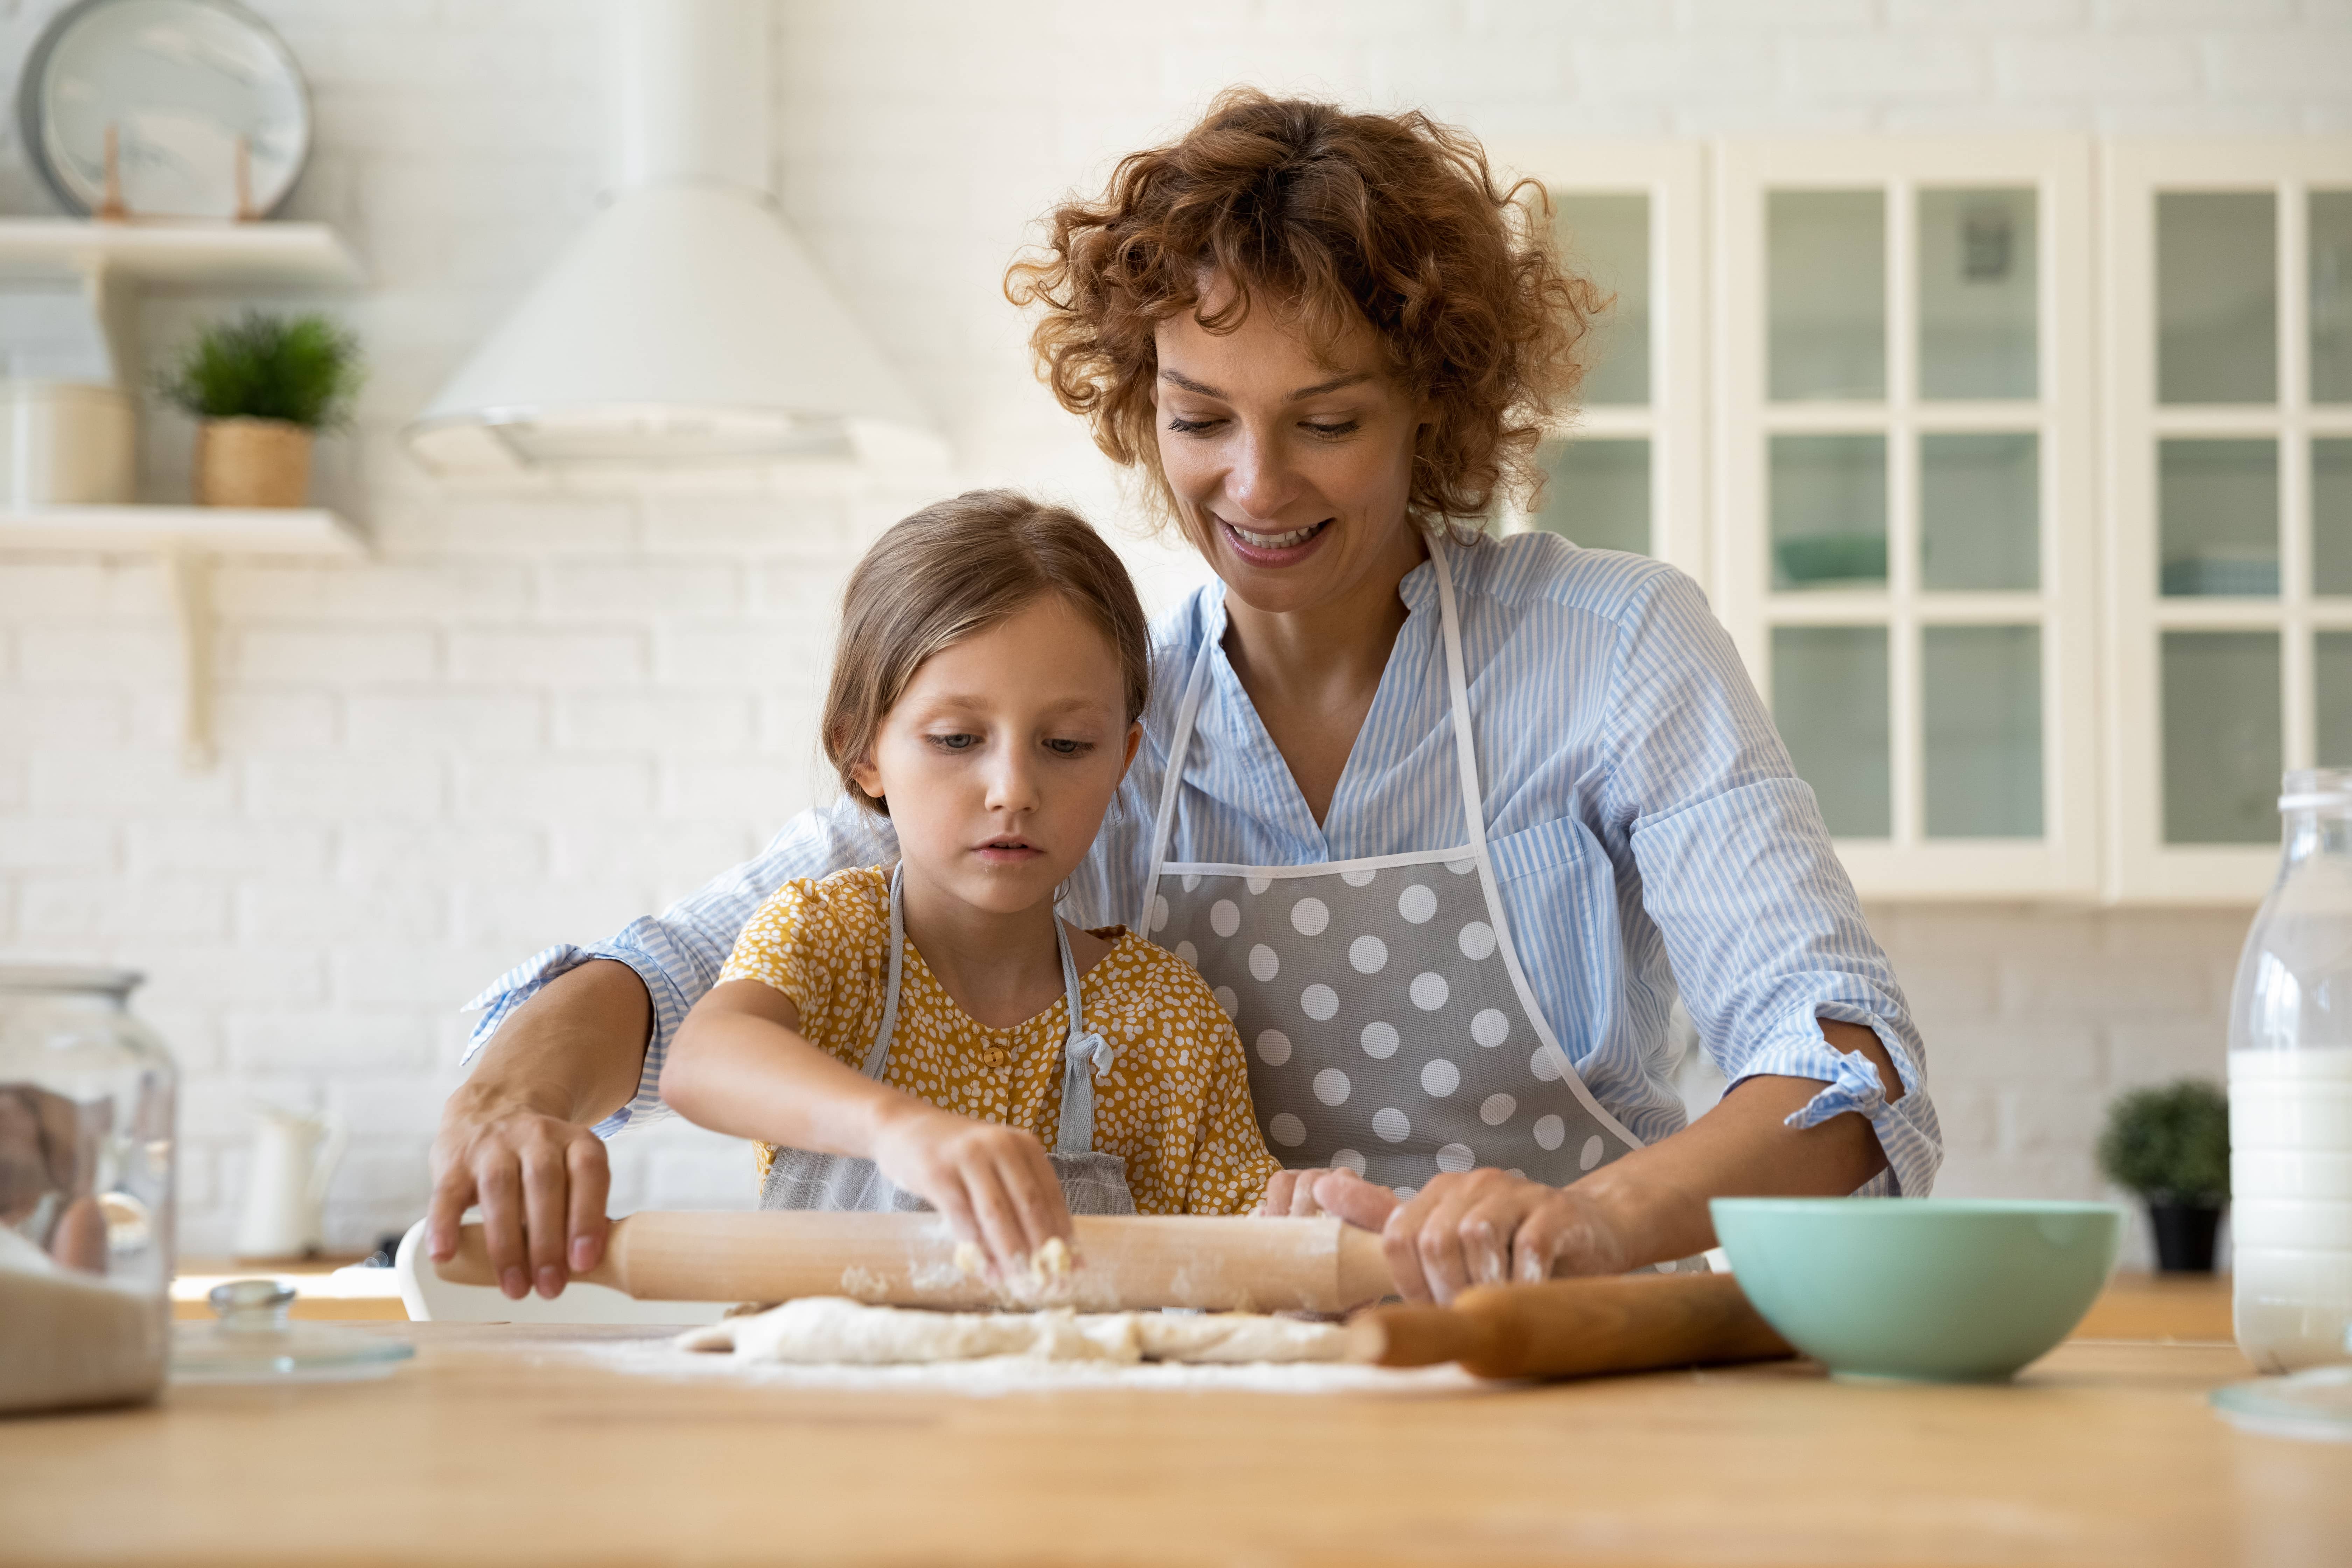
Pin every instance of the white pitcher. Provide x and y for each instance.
(295, 1155)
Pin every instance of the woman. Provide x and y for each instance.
(1446, 820)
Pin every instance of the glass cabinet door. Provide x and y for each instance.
(1596, 488)
(2231, 315)
(1624, 466)
(1907, 526)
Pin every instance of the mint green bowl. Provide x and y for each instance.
(1925, 1289)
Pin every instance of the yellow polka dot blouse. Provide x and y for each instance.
(1176, 1107)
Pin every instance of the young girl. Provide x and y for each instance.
(923, 1034)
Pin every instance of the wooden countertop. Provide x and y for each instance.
(507, 1444)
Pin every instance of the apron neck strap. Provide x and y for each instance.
(1163, 822)
(1457, 690)
(1082, 1048)
(877, 1054)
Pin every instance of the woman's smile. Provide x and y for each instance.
(1260, 548)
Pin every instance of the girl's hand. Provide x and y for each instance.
(993, 1183)
(1478, 1227)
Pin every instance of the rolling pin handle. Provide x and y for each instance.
(1415, 1336)
(470, 1265)
(1574, 1328)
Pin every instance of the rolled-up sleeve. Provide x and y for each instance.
(680, 953)
(1759, 919)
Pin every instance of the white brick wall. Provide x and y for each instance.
(533, 715)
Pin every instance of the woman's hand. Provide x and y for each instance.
(993, 1183)
(515, 1137)
(1478, 1227)
(1291, 1196)
(538, 1178)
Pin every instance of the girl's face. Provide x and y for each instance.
(1001, 756)
(1290, 472)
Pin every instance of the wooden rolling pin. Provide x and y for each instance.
(1574, 1328)
(908, 1260)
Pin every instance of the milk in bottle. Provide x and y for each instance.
(2291, 1091)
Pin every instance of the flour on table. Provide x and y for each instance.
(831, 1329)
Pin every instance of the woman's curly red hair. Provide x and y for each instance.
(1330, 218)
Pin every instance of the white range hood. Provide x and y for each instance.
(685, 325)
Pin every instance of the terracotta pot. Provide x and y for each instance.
(252, 462)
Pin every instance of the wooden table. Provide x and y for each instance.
(487, 1448)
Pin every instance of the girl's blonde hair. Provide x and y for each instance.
(955, 568)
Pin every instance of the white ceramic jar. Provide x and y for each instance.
(66, 443)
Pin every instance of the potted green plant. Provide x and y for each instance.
(261, 388)
(2172, 1146)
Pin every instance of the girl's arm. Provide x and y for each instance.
(740, 1064)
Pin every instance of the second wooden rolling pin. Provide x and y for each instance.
(908, 1260)
(1574, 1328)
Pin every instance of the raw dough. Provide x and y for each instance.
(831, 1328)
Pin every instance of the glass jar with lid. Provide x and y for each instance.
(88, 1096)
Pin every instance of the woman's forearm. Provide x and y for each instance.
(1656, 1196)
(574, 1051)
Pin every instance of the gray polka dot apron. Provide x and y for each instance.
(1389, 1025)
(1092, 1182)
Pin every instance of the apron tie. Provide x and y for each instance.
(1083, 1048)
(1075, 1134)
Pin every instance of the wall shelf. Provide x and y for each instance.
(116, 263)
(184, 539)
(248, 255)
(218, 529)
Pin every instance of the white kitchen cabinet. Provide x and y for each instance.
(1627, 470)
(2228, 489)
(1904, 511)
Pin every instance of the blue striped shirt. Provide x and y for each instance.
(1648, 831)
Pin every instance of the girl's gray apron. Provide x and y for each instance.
(1091, 1182)
(1388, 1025)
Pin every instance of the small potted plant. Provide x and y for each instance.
(2172, 1146)
(261, 388)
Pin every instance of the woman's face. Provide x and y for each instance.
(1290, 472)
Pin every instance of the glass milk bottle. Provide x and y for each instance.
(2291, 1091)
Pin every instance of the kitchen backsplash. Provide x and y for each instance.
(533, 715)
